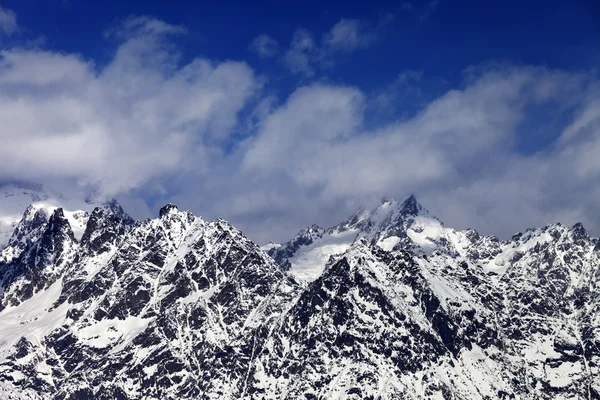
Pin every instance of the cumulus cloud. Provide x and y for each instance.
(141, 116)
(8, 22)
(265, 46)
(305, 54)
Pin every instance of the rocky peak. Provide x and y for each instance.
(173, 224)
(40, 264)
(27, 231)
(59, 227)
(35, 214)
(311, 232)
(578, 232)
(472, 235)
(409, 209)
(167, 210)
(305, 237)
(106, 225)
(410, 206)
(391, 223)
(15, 198)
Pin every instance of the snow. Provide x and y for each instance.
(31, 319)
(8, 392)
(380, 225)
(425, 231)
(93, 265)
(388, 243)
(309, 261)
(564, 374)
(502, 261)
(111, 332)
(77, 219)
(406, 288)
(151, 370)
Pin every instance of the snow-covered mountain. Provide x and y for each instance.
(392, 224)
(16, 197)
(390, 304)
(153, 309)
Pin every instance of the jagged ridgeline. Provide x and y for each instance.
(389, 304)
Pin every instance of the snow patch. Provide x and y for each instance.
(309, 261)
(31, 319)
(112, 332)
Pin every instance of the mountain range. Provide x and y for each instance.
(388, 304)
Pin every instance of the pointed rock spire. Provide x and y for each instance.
(59, 225)
(27, 232)
(33, 220)
(411, 206)
(106, 226)
(579, 232)
(167, 209)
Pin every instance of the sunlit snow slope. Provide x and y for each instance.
(392, 223)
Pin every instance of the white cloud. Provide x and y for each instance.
(8, 22)
(141, 116)
(37, 68)
(348, 35)
(313, 161)
(265, 46)
(305, 55)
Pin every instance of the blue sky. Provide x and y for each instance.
(438, 37)
(278, 115)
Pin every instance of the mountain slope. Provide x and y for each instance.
(177, 294)
(369, 327)
(388, 325)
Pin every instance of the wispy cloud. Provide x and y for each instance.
(314, 156)
(8, 22)
(406, 81)
(265, 46)
(348, 35)
(305, 54)
(302, 54)
(422, 10)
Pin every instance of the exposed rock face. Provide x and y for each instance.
(177, 307)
